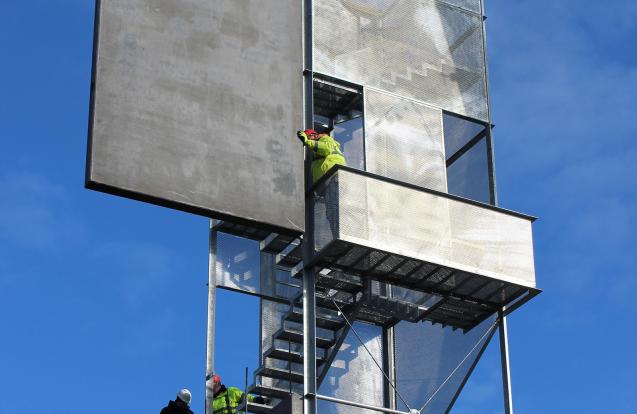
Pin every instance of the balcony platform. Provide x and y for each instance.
(474, 258)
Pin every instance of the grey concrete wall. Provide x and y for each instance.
(195, 104)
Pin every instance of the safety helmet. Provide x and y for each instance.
(184, 395)
(216, 378)
(310, 132)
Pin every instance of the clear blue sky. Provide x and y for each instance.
(103, 300)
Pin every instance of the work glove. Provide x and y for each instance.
(302, 136)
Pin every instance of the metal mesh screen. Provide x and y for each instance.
(471, 5)
(271, 321)
(413, 223)
(425, 49)
(432, 362)
(404, 140)
(240, 265)
(353, 376)
(237, 263)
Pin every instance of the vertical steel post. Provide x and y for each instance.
(309, 342)
(489, 138)
(212, 299)
(309, 274)
(389, 366)
(502, 322)
(504, 359)
(245, 393)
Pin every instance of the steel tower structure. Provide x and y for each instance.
(399, 266)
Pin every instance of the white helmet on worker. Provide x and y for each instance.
(184, 395)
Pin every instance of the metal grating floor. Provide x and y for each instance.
(240, 230)
(466, 299)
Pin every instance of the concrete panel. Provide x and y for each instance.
(194, 106)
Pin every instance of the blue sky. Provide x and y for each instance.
(103, 300)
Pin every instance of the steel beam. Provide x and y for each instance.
(359, 405)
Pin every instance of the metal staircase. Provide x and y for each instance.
(337, 293)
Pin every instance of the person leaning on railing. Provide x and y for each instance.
(326, 152)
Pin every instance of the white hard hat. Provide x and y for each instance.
(184, 395)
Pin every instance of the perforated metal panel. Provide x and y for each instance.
(424, 49)
(179, 89)
(471, 5)
(237, 263)
(271, 321)
(432, 361)
(404, 140)
(417, 224)
(353, 376)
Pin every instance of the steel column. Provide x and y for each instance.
(389, 362)
(504, 358)
(212, 299)
(309, 273)
(490, 145)
(309, 342)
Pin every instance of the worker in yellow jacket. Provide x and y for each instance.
(227, 399)
(326, 151)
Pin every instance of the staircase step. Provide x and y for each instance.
(281, 374)
(393, 308)
(339, 281)
(324, 301)
(267, 391)
(287, 334)
(275, 243)
(255, 408)
(322, 321)
(291, 258)
(286, 355)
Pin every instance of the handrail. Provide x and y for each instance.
(332, 171)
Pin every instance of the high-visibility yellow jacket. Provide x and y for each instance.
(227, 400)
(326, 152)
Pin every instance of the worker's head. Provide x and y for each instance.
(216, 383)
(183, 397)
(312, 134)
